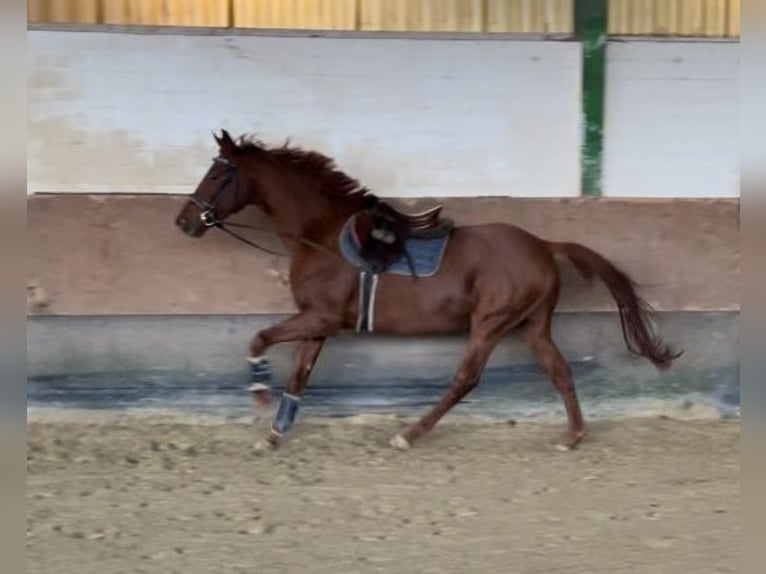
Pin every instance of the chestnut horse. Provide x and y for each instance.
(493, 278)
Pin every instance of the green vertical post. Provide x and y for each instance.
(590, 27)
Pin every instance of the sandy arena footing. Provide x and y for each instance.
(111, 494)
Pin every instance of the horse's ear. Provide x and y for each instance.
(225, 143)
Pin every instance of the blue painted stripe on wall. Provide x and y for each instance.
(197, 364)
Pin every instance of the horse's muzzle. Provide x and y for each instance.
(190, 226)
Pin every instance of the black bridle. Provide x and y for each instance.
(209, 218)
(207, 214)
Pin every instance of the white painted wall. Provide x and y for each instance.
(118, 112)
(672, 119)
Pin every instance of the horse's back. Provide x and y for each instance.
(501, 244)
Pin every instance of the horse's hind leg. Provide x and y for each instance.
(538, 336)
(484, 337)
(467, 377)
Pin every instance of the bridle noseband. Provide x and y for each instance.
(207, 215)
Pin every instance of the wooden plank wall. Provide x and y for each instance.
(295, 14)
(424, 16)
(705, 18)
(530, 16)
(132, 12)
(70, 11)
(701, 18)
(213, 13)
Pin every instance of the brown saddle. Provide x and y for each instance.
(426, 224)
(381, 232)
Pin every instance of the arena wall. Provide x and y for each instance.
(120, 129)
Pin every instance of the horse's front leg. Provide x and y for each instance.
(311, 328)
(304, 326)
(300, 327)
(305, 358)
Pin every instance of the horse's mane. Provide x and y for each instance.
(333, 183)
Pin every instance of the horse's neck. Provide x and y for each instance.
(301, 214)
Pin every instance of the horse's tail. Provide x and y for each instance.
(635, 314)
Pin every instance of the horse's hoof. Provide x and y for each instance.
(571, 441)
(399, 442)
(267, 444)
(263, 446)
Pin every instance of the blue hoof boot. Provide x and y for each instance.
(260, 370)
(288, 408)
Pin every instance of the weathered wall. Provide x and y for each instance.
(117, 254)
(115, 286)
(672, 119)
(114, 112)
(195, 363)
(133, 112)
(409, 117)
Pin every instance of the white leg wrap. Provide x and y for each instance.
(257, 387)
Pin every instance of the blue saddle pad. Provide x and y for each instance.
(426, 254)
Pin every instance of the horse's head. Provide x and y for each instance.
(293, 187)
(221, 193)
